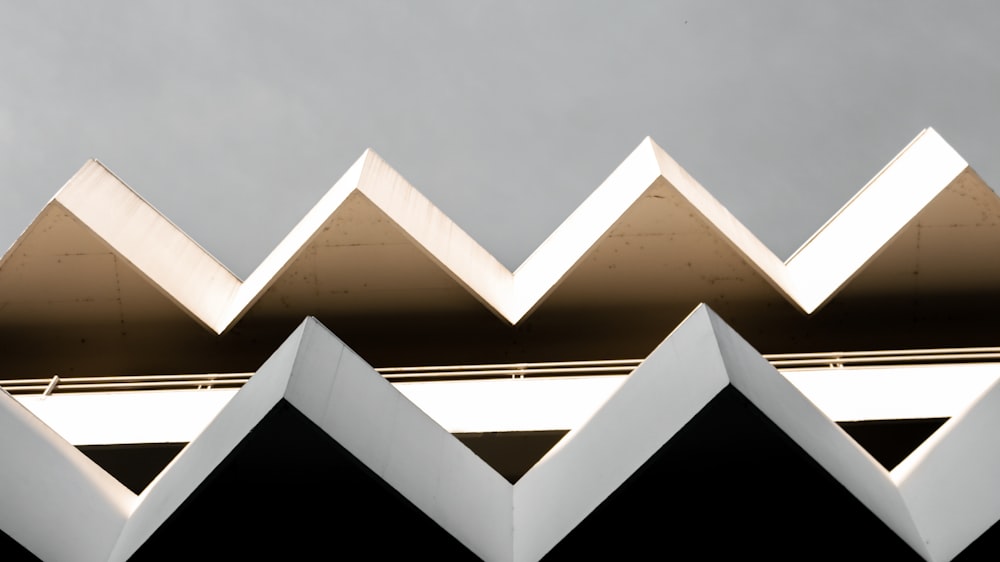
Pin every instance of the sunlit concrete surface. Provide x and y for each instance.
(688, 388)
(645, 248)
(100, 284)
(48, 486)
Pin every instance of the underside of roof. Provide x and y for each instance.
(704, 422)
(101, 284)
(118, 289)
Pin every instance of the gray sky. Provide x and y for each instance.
(233, 117)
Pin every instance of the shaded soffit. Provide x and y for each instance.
(686, 428)
(650, 235)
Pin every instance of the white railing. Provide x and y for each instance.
(783, 362)
(511, 370)
(123, 383)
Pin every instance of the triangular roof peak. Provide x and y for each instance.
(204, 288)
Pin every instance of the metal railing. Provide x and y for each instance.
(511, 370)
(782, 361)
(124, 383)
(788, 361)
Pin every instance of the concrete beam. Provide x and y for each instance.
(674, 411)
(198, 284)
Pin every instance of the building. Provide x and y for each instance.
(600, 409)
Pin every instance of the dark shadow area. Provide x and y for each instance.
(12, 550)
(891, 441)
(290, 492)
(511, 453)
(133, 464)
(731, 486)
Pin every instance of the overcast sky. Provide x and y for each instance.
(234, 117)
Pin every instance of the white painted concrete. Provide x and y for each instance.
(938, 500)
(55, 485)
(816, 433)
(196, 461)
(553, 260)
(855, 235)
(950, 481)
(179, 268)
(55, 501)
(329, 384)
(347, 399)
(682, 375)
(140, 234)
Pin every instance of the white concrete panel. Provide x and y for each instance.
(756, 253)
(947, 485)
(395, 433)
(480, 503)
(817, 434)
(318, 360)
(849, 240)
(160, 251)
(401, 444)
(195, 281)
(443, 240)
(54, 500)
(364, 423)
(552, 261)
(672, 385)
(188, 470)
(951, 483)
(292, 245)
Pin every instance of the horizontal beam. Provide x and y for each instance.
(515, 404)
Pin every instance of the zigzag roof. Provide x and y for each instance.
(649, 234)
(207, 291)
(704, 385)
(649, 238)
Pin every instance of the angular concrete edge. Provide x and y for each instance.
(207, 291)
(819, 436)
(697, 361)
(328, 383)
(293, 244)
(430, 230)
(165, 494)
(145, 238)
(939, 500)
(55, 501)
(569, 243)
(401, 444)
(443, 241)
(856, 234)
(734, 232)
(951, 483)
(661, 396)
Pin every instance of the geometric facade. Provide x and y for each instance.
(710, 444)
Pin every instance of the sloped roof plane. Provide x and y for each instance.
(686, 392)
(202, 287)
